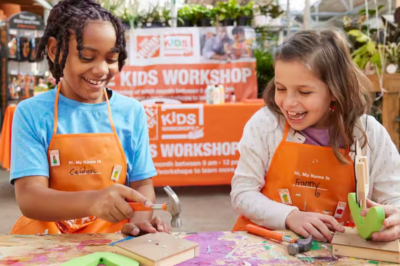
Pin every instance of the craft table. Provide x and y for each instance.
(216, 248)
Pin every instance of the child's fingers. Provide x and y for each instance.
(389, 234)
(371, 204)
(392, 220)
(314, 232)
(130, 229)
(323, 229)
(389, 209)
(124, 208)
(301, 231)
(336, 226)
(146, 226)
(133, 195)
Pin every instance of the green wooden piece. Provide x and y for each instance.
(369, 224)
(102, 258)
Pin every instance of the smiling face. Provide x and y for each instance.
(85, 78)
(301, 96)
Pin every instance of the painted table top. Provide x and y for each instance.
(216, 248)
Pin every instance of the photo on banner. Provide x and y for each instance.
(179, 63)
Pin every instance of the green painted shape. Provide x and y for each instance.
(105, 258)
(267, 247)
(373, 262)
(369, 224)
(315, 245)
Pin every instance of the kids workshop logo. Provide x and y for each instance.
(178, 45)
(182, 122)
(148, 46)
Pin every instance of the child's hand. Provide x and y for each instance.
(109, 204)
(316, 224)
(146, 226)
(391, 224)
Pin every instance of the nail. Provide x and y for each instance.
(161, 228)
(147, 203)
(136, 230)
(363, 213)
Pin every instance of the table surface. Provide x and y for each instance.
(216, 248)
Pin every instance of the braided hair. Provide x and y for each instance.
(73, 15)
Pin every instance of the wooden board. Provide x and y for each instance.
(350, 243)
(159, 249)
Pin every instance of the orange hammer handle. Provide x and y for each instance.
(261, 231)
(140, 207)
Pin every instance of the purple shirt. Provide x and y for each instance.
(318, 137)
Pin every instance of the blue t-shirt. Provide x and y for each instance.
(33, 123)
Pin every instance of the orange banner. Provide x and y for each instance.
(196, 144)
(187, 82)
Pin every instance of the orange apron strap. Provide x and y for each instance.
(109, 113)
(56, 111)
(287, 127)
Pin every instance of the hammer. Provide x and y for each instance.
(173, 207)
(296, 245)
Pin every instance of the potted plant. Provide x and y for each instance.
(367, 54)
(185, 16)
(245, 15)
(227, 12)
(264, 69)
(270, 10)
(166, 15)
(156, 17)
(204, 15)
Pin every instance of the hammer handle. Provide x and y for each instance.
(261, 231)
(140, 207)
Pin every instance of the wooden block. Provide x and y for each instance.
(158, 249)
(351, 244)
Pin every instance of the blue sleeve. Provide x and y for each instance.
(142, 167)
(28, 151)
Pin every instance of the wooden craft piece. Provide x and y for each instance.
(351, 244)
(369, 224)
(102, 258)
(376, 215)
(158, 249)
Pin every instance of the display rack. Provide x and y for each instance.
(21, 76)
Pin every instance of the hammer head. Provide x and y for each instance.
(173, 207)
(301, 245)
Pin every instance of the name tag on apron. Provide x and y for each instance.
(54, 158)
(116, 172)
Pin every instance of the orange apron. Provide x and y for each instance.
(309, 177)
(77, 162)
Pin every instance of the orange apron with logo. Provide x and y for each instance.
(309, 177)
(78, 162)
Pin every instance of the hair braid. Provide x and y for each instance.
(74, 15)
(65, 51)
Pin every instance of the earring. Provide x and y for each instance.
(332, 107)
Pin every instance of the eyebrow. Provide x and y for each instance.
(299, 86)
(113, 50)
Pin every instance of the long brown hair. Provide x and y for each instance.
(326, 53)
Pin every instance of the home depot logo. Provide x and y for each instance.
(148, 46)
(178, 45)
(182, 121)
(152, 121)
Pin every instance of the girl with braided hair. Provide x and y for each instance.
(81, 151)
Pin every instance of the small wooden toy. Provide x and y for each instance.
(158, 249)
(355, 242)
